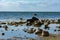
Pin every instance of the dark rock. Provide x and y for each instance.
(0, 26)
(35, 19)
(3, 33)
(58, 30)
(32, 30)
(30, 22)
(6, 27)
(58, 20)
(45, 33)
(55, 30)
(39, 32)
(2, 23)
(38, 24)
(46, 27)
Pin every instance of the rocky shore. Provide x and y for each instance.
(34, 22)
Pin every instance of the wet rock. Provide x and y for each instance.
(2, 23)
(39, 32)
(52, 21)
(35, 14)
(3, 34)
(58, 20)
(6, 27)
(46, 27)
(32, 30)
(0, 26)
(55, 30)
(42, 21)
(12, 30)
(45, 33)
(35, 19)
(58, 30)
(32, 21)
(58, 26)
(25, 30)
(38, 24)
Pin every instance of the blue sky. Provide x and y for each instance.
(29, 5)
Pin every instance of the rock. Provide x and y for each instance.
(38, 24)
(58, 20)
(55, 30)
(46, 27)
(2, 23)
(39, 32)
(35, 19)
(58, 26)
(0, 26)
(45, 33)
(6, 27)
(30, 22)
(32, 30)
(3, 34)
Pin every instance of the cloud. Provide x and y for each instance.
(29, 5)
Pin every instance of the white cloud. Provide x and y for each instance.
(29, 5)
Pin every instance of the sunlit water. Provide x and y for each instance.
(18, 31)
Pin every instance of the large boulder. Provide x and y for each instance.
(35, 19)
(32, 21)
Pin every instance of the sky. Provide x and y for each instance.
(30, 5)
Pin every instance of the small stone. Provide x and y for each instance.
(3, 33)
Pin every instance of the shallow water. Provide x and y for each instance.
(18, 31)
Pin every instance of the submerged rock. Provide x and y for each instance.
(3, 34)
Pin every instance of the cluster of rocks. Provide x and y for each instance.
(37, 31)
(33, 22)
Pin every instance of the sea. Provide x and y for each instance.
(15, 16)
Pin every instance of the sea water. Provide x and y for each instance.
(15, 16)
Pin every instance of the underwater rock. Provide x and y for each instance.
(3, 34)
